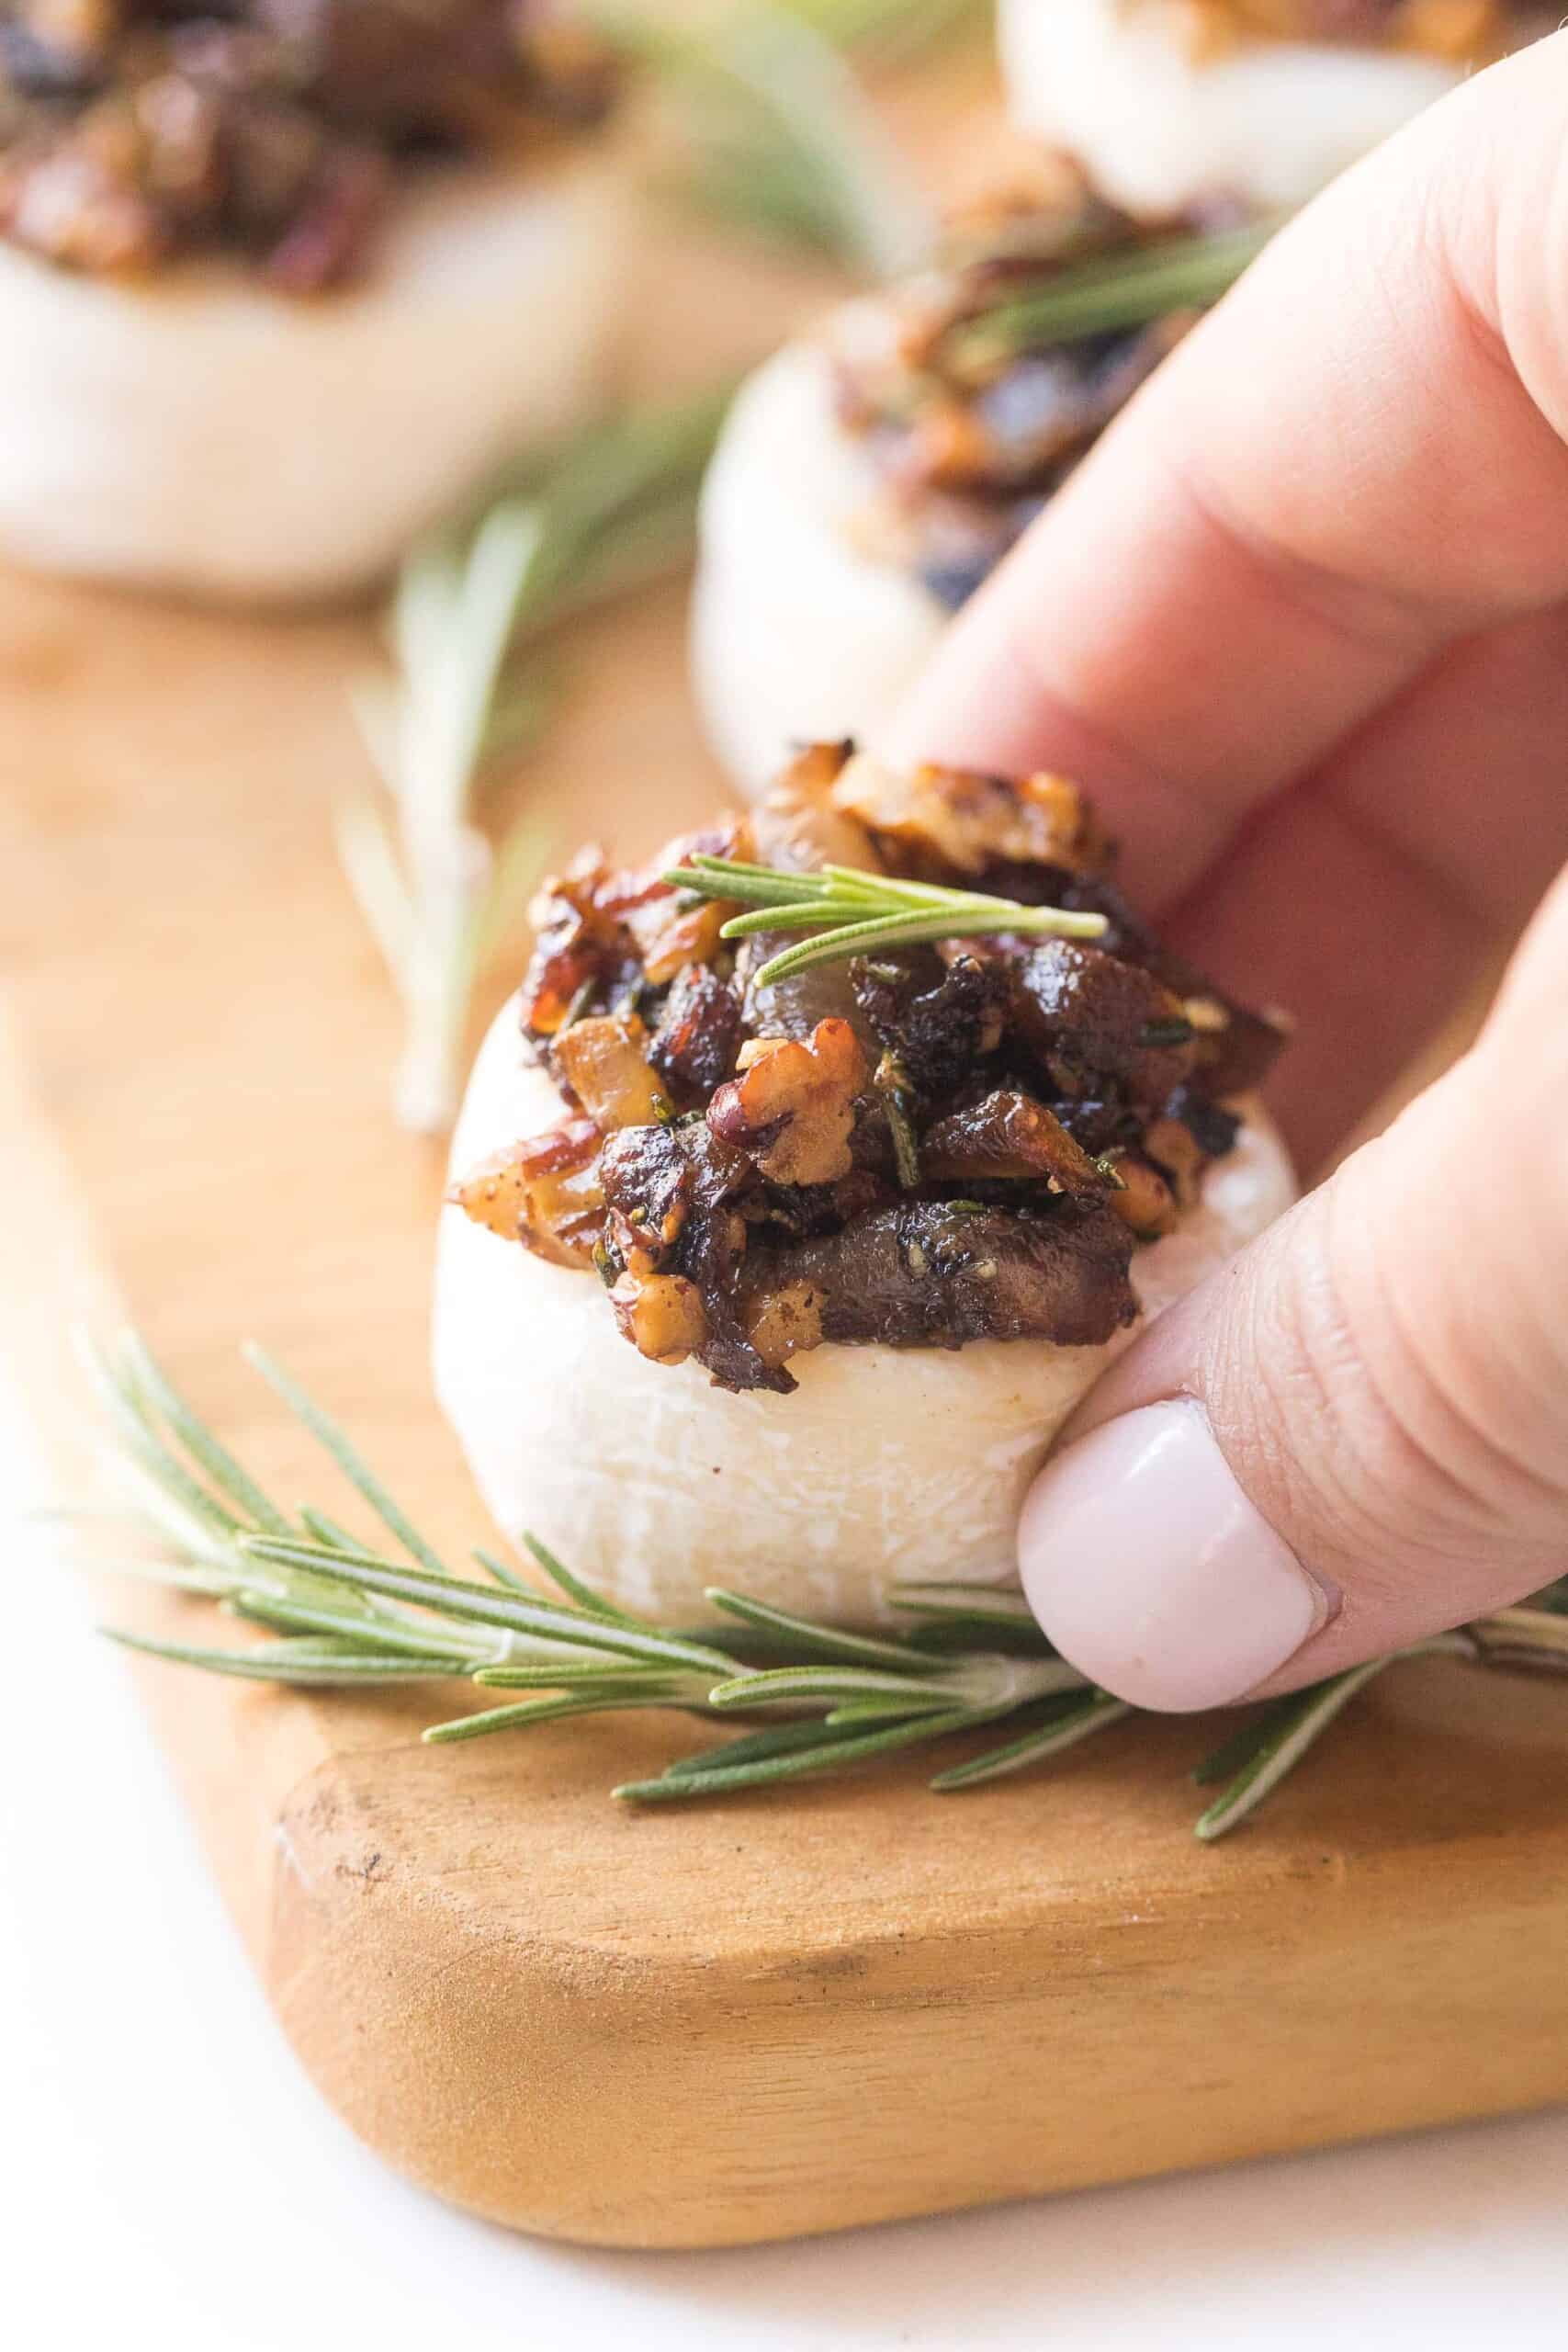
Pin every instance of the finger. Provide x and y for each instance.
(1350, 463)
(1339, 901)
(1356, 1435)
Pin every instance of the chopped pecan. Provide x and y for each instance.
(793, 1108)
(662, 1314)
(784, 1322)
(1144, 1200)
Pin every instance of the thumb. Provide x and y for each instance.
(1356, 1434)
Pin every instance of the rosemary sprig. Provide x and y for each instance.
(1103, 296)
(347, 1613)
(779, 139)
(616, 505)
(858, 913)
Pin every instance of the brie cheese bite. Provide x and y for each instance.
(867, 480)
(1165, 101)
(282, 284)
(789, 1284)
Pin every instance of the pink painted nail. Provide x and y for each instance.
(1150, 1569)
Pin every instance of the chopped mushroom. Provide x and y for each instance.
(646, 1175)
(699, 1033)
(1009, 1137)
(938, 1274)
(604, 1062)
(1092, 1011)
(939, 1036)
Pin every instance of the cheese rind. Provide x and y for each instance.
(1158, 129)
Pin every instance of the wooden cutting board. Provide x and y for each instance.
(765, 2019)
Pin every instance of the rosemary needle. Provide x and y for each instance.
(347, 1616)
(1107, 295)
(614, 505)
(778, 138)
(857, 913)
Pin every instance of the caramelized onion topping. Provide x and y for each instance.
(137, 132)
(964, 1140)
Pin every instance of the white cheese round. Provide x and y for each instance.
(197, 432)
(887, 1463)
(796, 636)
(1156, 129)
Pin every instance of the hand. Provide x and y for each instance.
(1301, 623)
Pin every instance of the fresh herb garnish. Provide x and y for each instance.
(1106, 296)
(778, 137)
(347, 1613)
(861, 914)
(613, 507)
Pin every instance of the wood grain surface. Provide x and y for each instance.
(763, 2018)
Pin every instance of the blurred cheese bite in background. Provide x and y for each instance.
(1168, 100)
(283, 280)
(870, 477)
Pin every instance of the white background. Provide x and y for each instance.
(174, 2178)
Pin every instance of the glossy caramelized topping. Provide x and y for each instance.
(959, 1140)
(1465, 31)
(972, 418)
(136, 131)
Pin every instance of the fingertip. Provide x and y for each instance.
(1153, 1572)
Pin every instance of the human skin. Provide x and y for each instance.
(1301, 624)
